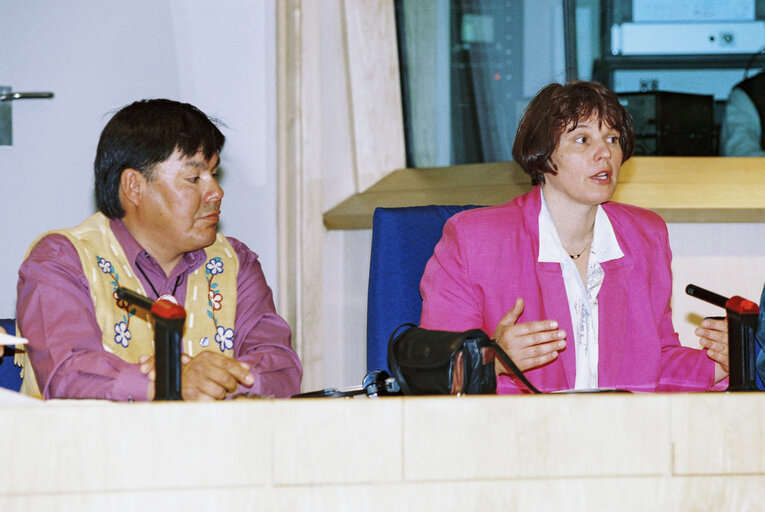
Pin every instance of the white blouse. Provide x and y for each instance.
(582, 300)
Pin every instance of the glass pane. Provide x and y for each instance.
(674, 65)
(469, 68)
(462, 64)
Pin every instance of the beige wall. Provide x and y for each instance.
(340, 131)
(726, 258)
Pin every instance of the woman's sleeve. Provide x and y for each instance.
(682, 368)
(450, 300)
(452, 296)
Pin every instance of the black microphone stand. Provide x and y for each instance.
(742, 327)
(168, 328)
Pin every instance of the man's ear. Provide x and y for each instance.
(132, 183)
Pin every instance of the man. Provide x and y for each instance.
(760, 348)
(159, 203)
(742, 131)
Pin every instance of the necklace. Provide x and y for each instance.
(167, 296)
(576, 256)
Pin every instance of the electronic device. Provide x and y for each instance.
(687, 38)
(672, 123)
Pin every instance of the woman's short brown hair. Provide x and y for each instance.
(557, 107)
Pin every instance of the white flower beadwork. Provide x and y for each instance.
(215, 266)
(105, 266)
(225, 338)
(215, 300)
(122, 334)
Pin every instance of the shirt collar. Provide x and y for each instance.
(604, 242)
(134, 251)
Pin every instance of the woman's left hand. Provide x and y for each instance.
(713, 336)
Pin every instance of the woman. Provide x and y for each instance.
(575, 288)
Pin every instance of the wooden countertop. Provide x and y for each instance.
(680, 189)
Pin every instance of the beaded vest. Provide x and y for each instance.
(126, 330)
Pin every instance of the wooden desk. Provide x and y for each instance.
(680, 189)
(550, 453)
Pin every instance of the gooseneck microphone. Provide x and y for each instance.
(742, 316)
(706, 295)
(168, 328)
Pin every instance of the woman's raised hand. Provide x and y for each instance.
(530, 344)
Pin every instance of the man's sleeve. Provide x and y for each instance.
(263, 338)
(55, 313)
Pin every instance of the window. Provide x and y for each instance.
(462, 77)
(469, 68)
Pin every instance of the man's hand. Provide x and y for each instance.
(147, 368)
(212, 376)
(208, 376)
(530, 344)
(713, 336)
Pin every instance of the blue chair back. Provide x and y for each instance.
(10, 374)
(402, 242)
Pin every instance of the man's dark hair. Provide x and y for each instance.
(557, 107)
(146, 133)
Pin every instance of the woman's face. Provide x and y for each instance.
(587, 159)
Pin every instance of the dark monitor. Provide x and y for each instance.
(672, 123)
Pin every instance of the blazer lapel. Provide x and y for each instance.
(612, 346)
(553, 298)
(555, 304)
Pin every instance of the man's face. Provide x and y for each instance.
(180, 209)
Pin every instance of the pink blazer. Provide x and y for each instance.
(487, 258)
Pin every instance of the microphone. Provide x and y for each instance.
(742, 315)
(168, 328)
(706, 295)
(738, 304)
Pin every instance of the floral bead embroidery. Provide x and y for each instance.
(105, 266)
(122, 334)
(214, 266)
(224, 336)
(121, 303)
(215, 300)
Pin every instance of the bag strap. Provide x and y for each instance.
(395, 369)
(510, 365)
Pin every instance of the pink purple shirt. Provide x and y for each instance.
(55, 313)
